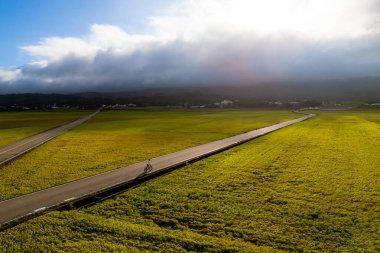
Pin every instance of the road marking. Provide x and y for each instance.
(39, 209)
(69, 199)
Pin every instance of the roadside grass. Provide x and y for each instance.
(114, 139)
(15, 126)
(310, 187)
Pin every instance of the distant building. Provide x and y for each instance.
(198, 106)
(117, 106)
(294, 103)
(372, 104)
(226, 102)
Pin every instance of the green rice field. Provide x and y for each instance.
(15, 126)
(310, 187)
(118, 138)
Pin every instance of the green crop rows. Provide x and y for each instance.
(311, 187)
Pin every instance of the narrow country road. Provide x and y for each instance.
(13, 150)
(16, 210)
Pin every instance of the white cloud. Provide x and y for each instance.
(54, 49)
(9, 75)
(194, 21)
(319, 19)
(102, 38)
(213, 41)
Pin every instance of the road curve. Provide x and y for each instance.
(12, 151)
(16, 210)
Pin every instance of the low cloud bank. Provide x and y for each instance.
(195, 47)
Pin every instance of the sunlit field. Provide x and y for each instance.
(118, 138)
(15, 126)
(310, 187)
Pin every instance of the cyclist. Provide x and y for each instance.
(148, 167)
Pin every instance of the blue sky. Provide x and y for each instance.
(27, 21)
(90, 45)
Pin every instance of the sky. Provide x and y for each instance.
(111, 45)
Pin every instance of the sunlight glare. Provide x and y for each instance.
(319, 19)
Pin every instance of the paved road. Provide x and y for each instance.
(11, 151)
(21, 208)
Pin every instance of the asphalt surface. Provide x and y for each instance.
(27, 206)
(12, 151)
